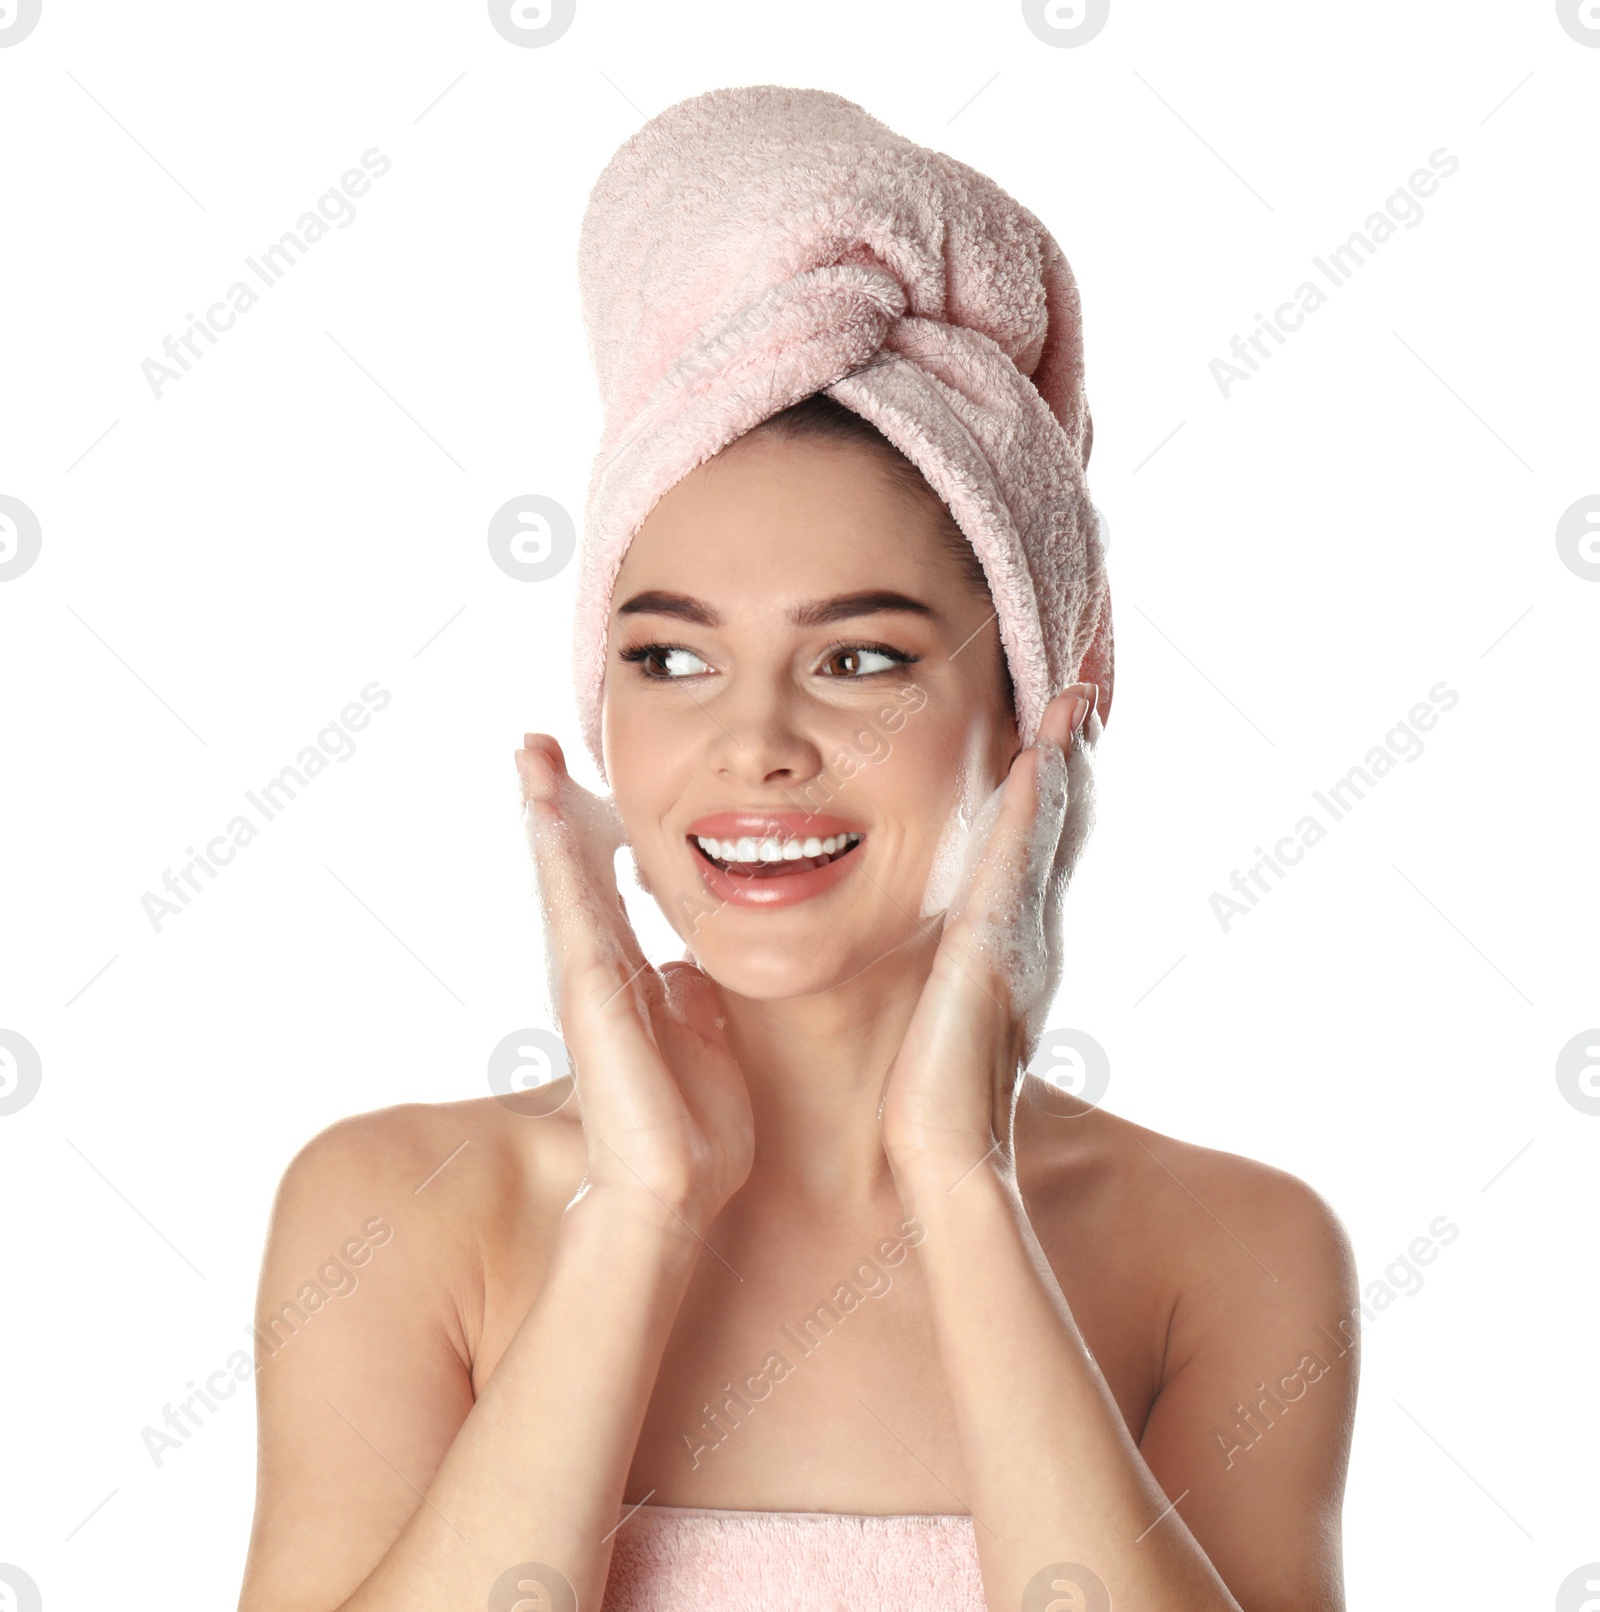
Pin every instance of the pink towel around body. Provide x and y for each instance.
(695, 1559)
(751, 246)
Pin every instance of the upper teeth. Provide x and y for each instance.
(774, 850)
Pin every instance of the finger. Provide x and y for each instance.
(695, 1028)
(574, 924)
(1001, 899)
(573, 837)
(693, 998)
(1066, 714)
(1045, 796)
(537, 776)
(549, 745)
(1002, 859)
(548, 759)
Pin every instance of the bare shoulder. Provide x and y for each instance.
(1219, 1196)
(410, 1149)
(387, 1236)
(502, 1147)
(1195, 1199)
(449, 1184)
(1208, 1236)
(1233, 1285)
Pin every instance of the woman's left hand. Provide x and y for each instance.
(950, 1093)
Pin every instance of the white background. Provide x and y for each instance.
(1293, 568)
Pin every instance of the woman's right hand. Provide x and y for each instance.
(666, 1110)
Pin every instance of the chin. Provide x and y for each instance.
(782, 970)
(763, 985)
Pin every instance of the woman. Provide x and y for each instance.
(621, 1347)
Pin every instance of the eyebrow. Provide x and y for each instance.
(818, 613)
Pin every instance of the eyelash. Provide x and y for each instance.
(644, 653)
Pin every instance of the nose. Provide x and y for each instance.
(758, 737)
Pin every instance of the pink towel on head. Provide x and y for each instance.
(751, 246)
(694, 1559)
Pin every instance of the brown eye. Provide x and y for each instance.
(662, 663)
(858, 659)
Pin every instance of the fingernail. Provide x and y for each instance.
(1076, 712)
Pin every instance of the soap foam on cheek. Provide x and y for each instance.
(950, 854)
(1023, 941)
(1048, 883)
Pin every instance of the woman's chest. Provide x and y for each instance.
(802, 1371)
(811, 1380)
(802, 1378)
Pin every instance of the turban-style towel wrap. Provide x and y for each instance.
(751, 246)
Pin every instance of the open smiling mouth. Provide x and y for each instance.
(744, 858)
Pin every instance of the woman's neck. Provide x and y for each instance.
(815, 1066)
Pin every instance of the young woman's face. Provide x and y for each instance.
(757, 664)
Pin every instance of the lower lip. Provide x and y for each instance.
(768, 891)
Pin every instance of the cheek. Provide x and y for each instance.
(635, 737)
(637, 756)
(943, 801)
(869, 745)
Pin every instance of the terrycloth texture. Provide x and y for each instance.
(693, 1559)
(751, 246)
